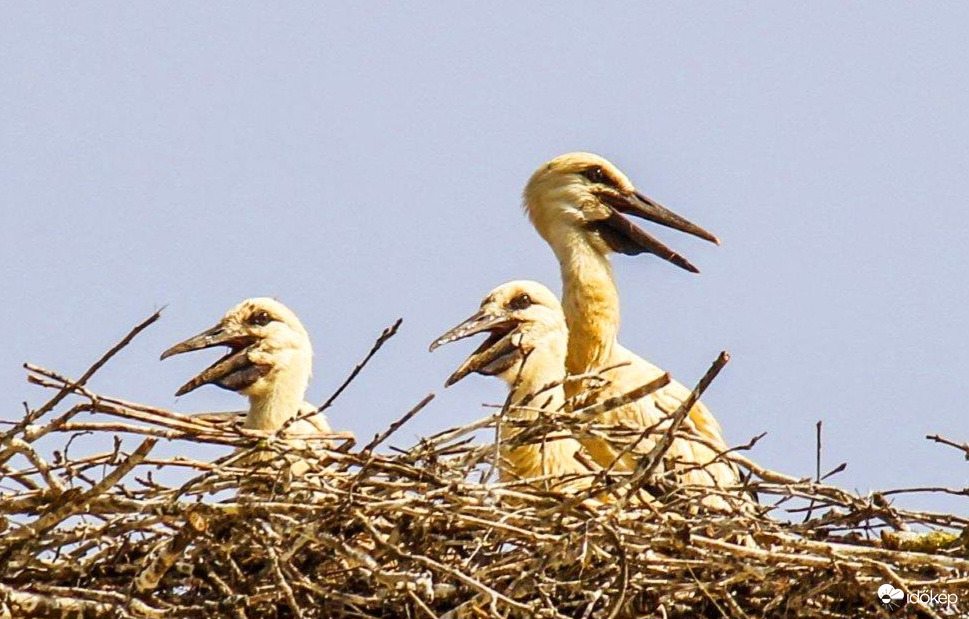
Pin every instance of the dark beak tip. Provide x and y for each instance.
(458, 375)
(452, 379)
(177, 349)
(441, 341)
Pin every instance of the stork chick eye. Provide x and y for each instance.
(260, 319)
(520, 302)
(596, 175)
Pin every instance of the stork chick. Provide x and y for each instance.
(270, 361)
(578, 203)
(526, 347)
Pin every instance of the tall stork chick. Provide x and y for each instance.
(579, 203)
(526, 348)
(270, 361)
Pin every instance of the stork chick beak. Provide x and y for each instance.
(495, 355)
(625, 237)
(641, 206)
(234, 371)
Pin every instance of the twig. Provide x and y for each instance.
(33, 416)
(649, 462)
(383, 436)
(72, 502)
(963, 447)
(387, 333)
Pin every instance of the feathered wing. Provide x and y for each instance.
(557, 455)
(694, 462)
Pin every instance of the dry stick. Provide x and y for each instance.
(229, 597)
(126, 428)
(623, 572)
(649, 462)
(564, 382)
(721, 453)
(451, 434)
(183, 425)
(79, 592)
(380, 438)
(158, 564)
(817, 459)
(121, 408)
(421, 605)
(367, 451)
(841, 467)
(895, 578)
(280, 578)
(27, 604)
(71, 505)
(22, 477)
(926, 490)
(908, 558)
(703, 589)
(631, 445)
(41, 465)
(387, 333)
(817, 467)
(659, 450)
(963, 447)
(590, 413)
(492, 595)
(66, 390)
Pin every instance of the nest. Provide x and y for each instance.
(427, 531)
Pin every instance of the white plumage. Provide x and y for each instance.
(270, 361)
(526, 347)
(577, 203)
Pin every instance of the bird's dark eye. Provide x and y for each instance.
(260, 319)
(520, 302)
(595, 174)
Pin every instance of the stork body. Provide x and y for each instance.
(270, 361)
(526, 348)
(577, 204)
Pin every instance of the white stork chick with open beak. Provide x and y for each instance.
(526, 348)
(270, 361)
(578, 203)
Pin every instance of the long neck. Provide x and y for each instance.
(590, 301)
(269, 411)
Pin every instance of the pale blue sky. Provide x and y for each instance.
(365, 161)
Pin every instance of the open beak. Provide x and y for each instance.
(495, 355)
(625, 237)
(234, 371)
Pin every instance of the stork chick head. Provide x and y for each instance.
(267, 346)
(584, 194)
(523, 320)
